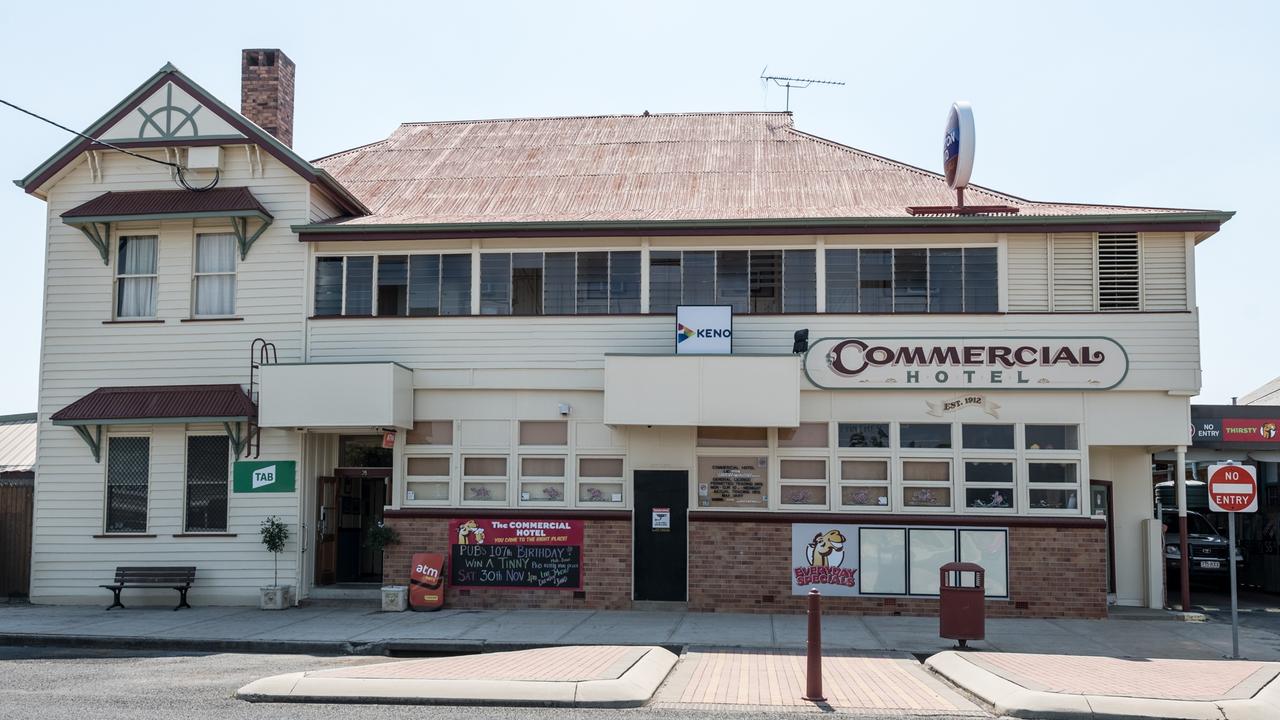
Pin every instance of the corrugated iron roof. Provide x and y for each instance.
(17, 442)
(168, 202)
(174, 403)
(709, 166)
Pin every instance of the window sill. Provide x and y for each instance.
(211, 319)
(205, 535)
(133, 322)
(114, 536)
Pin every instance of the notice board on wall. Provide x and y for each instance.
(537, 554)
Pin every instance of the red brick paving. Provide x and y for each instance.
(1126, 677)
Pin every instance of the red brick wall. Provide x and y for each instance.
(1053, 572)
(266, 91)
(606, 567)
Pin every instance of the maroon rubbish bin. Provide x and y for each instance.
(962, 609)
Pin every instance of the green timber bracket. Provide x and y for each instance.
(99, 233)
(241, 227)
(93, 440)
(238, 438)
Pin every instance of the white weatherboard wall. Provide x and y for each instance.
(81, 353)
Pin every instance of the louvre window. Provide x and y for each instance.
(128, 472)
(565, 283)
(206, 503)
(750, 281)
(912, 280)
(393, 285)
(1119, 278)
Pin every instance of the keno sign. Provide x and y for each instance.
(704, 329)
(1233, 488)
(1031, 363)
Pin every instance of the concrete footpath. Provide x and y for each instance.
(354, 630)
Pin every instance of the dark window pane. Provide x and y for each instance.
(495, 284)
(1052, 437)
(925, 435)
(455, 285)
(393, 285)
(988, 497)
(842, 281)
(731, 279)
(624, 282)
(664, 281)
(980, 289)
(946, 280)
(207, 483)
(875, 281)
(128, 471)
(328, 286)
(1051, 472)
(559, 284)
(424, 285)
(800, 281)
(526, 284)
(864, 435)
(766, 281)
(359, 285)
(987, 437)
(988, 472)
(910, 280)
(593, 283)
(699, 286)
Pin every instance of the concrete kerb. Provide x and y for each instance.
(1006, 698)
(632, 688)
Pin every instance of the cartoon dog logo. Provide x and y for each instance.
(1268, 430)
(469, 530)
(826, 549)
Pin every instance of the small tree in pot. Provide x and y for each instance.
(394, 597)
(275, 533)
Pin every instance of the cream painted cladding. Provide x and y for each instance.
(1059, 272)
(82, 351)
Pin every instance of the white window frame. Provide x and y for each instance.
(522, 479)
(783, 482)
(447, 480)
(196, 274)
(186, 459)
(117, 276)
(989, 455)
(578, 480)
(106, 479)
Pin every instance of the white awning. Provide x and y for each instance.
(724, 390)
(336, 395)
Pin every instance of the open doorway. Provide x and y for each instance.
(350, 502)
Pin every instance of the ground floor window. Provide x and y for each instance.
(906, 561)
(128, 475)
(208, 458)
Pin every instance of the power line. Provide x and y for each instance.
(180, 170)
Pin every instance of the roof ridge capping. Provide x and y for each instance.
(606, 116)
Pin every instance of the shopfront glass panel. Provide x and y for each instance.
(882, 560)
(929, 551)
(988, 548)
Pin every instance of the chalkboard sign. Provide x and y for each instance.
(539, 554)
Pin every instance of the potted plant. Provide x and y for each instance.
(395, 598)
(275, 533)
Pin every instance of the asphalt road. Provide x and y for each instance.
(40, 683)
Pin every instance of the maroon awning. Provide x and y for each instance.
(154, 204)
(158, 404)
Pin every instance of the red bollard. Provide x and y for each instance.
(813, 675)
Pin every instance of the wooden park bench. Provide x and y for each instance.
(176, 578)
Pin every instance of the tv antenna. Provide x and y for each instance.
(793, 82)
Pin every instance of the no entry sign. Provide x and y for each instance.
(1233, 488)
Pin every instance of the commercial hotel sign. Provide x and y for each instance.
(1027, 363)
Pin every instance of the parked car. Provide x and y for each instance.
(1208, 549)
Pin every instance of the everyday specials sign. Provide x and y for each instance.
(1029, 363)
(824, 556)
(522, 553)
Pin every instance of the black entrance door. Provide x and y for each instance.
(661, 553)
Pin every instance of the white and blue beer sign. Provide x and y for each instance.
(957, 146)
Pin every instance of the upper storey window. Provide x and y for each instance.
(560, 283)
(912, 280)
(215, 275)
(752, 281)
(393, 285)
(136, 277)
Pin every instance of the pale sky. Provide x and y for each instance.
(1136, 103)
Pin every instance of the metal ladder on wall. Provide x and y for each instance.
(261, 352)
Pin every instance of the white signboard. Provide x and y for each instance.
(662, 518)
(704, 330)
(824, 556)
(1027, 363)
(957, 145)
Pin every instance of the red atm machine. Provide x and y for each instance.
(426, 581)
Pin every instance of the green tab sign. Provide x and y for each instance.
(264, 476)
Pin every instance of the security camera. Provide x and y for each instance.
(565, 408)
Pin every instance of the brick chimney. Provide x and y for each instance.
(266, 91)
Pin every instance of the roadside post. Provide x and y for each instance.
(1233, 488)
(813, 671)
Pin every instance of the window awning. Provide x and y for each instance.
(237, 204)
(156, 405)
